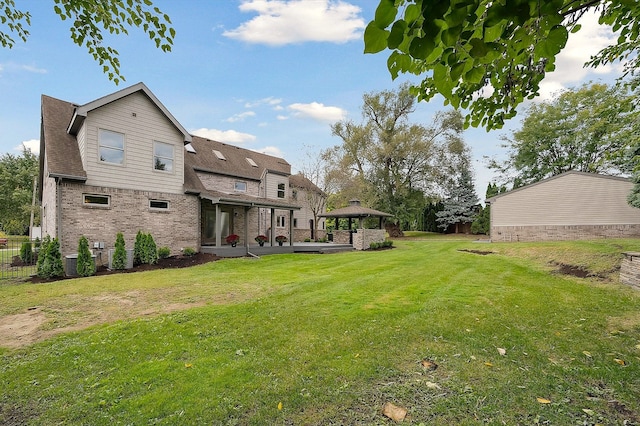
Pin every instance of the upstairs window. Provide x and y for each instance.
(281, 190)
(240, 186)
(163, 156)
(111, 147)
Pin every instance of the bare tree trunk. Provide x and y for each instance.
(393, 229)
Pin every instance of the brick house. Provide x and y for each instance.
(570, 206)
(123, 163)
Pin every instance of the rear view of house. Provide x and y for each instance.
(123, 163)
(570, 206)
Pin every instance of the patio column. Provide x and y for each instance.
(273, 227)
(246, 226)
(290, 227)
(218, 227)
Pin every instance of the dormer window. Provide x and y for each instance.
(251, 162)
(281, 190)
(219, 154)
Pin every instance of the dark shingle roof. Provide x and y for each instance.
(58, 147)
(355, 210)
(299, 181)
(235, 162)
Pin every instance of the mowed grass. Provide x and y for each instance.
(329, 339)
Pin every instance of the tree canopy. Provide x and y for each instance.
(16, 191)
(489, 56)
(91, 19)
(389, 162)
(589, 129)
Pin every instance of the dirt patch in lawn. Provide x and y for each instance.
(573, 270)
(77, 312)
(480, 252)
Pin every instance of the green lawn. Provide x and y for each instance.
(329, 339)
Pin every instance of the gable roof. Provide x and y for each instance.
(560, 176)
(81, 111)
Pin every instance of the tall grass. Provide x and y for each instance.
(328, 339)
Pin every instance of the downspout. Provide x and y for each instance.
(59, 212)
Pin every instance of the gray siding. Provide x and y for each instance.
(142, 123)
(570, 199)
(566, 207)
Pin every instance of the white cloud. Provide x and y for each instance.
(227, 136)
(271, 101)
(240, 117)
(32, 145)
(570, 69)
(281, 22)
(318, 111)
(16, 68)
(282, 117)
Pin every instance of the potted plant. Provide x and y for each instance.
(232, 239)
(261, 239)
(281, 239)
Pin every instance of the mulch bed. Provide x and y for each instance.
(170, 262)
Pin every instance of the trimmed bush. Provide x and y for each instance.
(138, 248)
(151, 250)
(164, 252)
(119, 260)
(145, 249)
(188, 251)
(51, 264)
(26, 253)
(85, 265)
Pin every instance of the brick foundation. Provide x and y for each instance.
(562, 232)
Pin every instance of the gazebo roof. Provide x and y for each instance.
(354, 209)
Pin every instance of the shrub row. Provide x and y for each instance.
(381, 245)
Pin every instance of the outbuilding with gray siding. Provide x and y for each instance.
(570, 206)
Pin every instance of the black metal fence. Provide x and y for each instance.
(18, 258)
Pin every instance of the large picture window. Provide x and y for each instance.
(163, 156)
(111, 147)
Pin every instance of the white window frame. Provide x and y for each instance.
(240, 183)
(171, 159)
(282, 191)
(88, 203)
(101, 146)
(281, 221)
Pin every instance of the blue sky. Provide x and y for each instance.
(270, 76)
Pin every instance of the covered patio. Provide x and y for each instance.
(247, 217)
(360, 237)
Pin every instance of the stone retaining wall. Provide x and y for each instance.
(630, 270)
